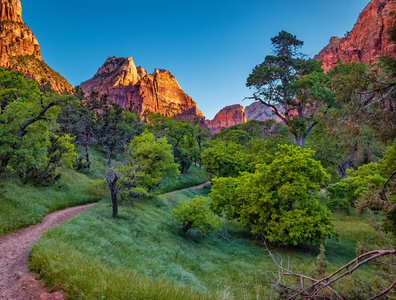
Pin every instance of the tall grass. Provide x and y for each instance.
(24, 204)
(145, 244)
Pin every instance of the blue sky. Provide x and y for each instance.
(210, 46)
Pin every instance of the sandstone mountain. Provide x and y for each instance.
(368, 39)
(20, 50)
(133, 88)
(229, 116)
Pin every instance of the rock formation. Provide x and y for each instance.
(259, 112)
(19, 48)
(369, 38)
(134, 89)
(229, 116)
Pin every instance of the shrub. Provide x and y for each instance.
(196, 214)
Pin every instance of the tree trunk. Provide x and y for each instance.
(112, 179)
(87, 160)
(186, 227)
(108, 157)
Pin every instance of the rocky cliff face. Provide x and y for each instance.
(229, 116)
(368, 40)
(259, 112)
(20, 50)
(132, 88)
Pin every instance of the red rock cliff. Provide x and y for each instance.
(134, 89)
(20, 50)
(368, 39)
(229, 116)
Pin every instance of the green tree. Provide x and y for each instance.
(27, 118)
(279, 201)
(371, 186)
(114, 127)
(295, 89)
(225, 159)
(186, 138)
(78, 120)
(149, 161)
(196, 214)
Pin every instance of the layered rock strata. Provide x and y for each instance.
(368, 40)
(134, 89)
(20, 50)
(229, 116)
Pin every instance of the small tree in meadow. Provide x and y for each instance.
(196, 214)
(149, 161)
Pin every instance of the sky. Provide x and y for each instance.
(209, 46)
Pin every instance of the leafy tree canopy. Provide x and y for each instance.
(278, 202)
(196, 214)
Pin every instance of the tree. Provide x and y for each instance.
(78, 120)
(279, 201)
(149, 161)
(27, 118)
(371, 186)
(196, 214)
(186, 138)
(114, 127)
(295, 89)
(225, 159)
(363, 116)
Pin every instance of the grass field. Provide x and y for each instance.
(23, 205)
(142, 255)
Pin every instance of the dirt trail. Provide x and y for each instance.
(16, 282)
(197, 187)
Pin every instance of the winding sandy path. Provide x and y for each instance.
(16, 282)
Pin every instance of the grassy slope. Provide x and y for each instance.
(145, 243)
(23, 204)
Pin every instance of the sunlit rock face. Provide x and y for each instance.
(368, 40)
(133, 88)
(20, 50)
(229, 116)
(11, 10)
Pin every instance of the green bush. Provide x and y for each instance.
(196, 214)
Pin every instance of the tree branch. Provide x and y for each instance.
(22, 131)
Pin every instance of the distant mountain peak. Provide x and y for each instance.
(20, 50)
(133, 88)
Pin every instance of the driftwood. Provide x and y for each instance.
(322, 288)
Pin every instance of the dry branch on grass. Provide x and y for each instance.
(322, 288)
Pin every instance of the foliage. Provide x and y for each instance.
(60, 153)
(293, 88)
(27, 118)
(371, 186)
(114, 127)
(149, 161)
(196, 214)
(278, 202)
(144, 243)
(224, 159)
(186, 137)
(363, 117)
